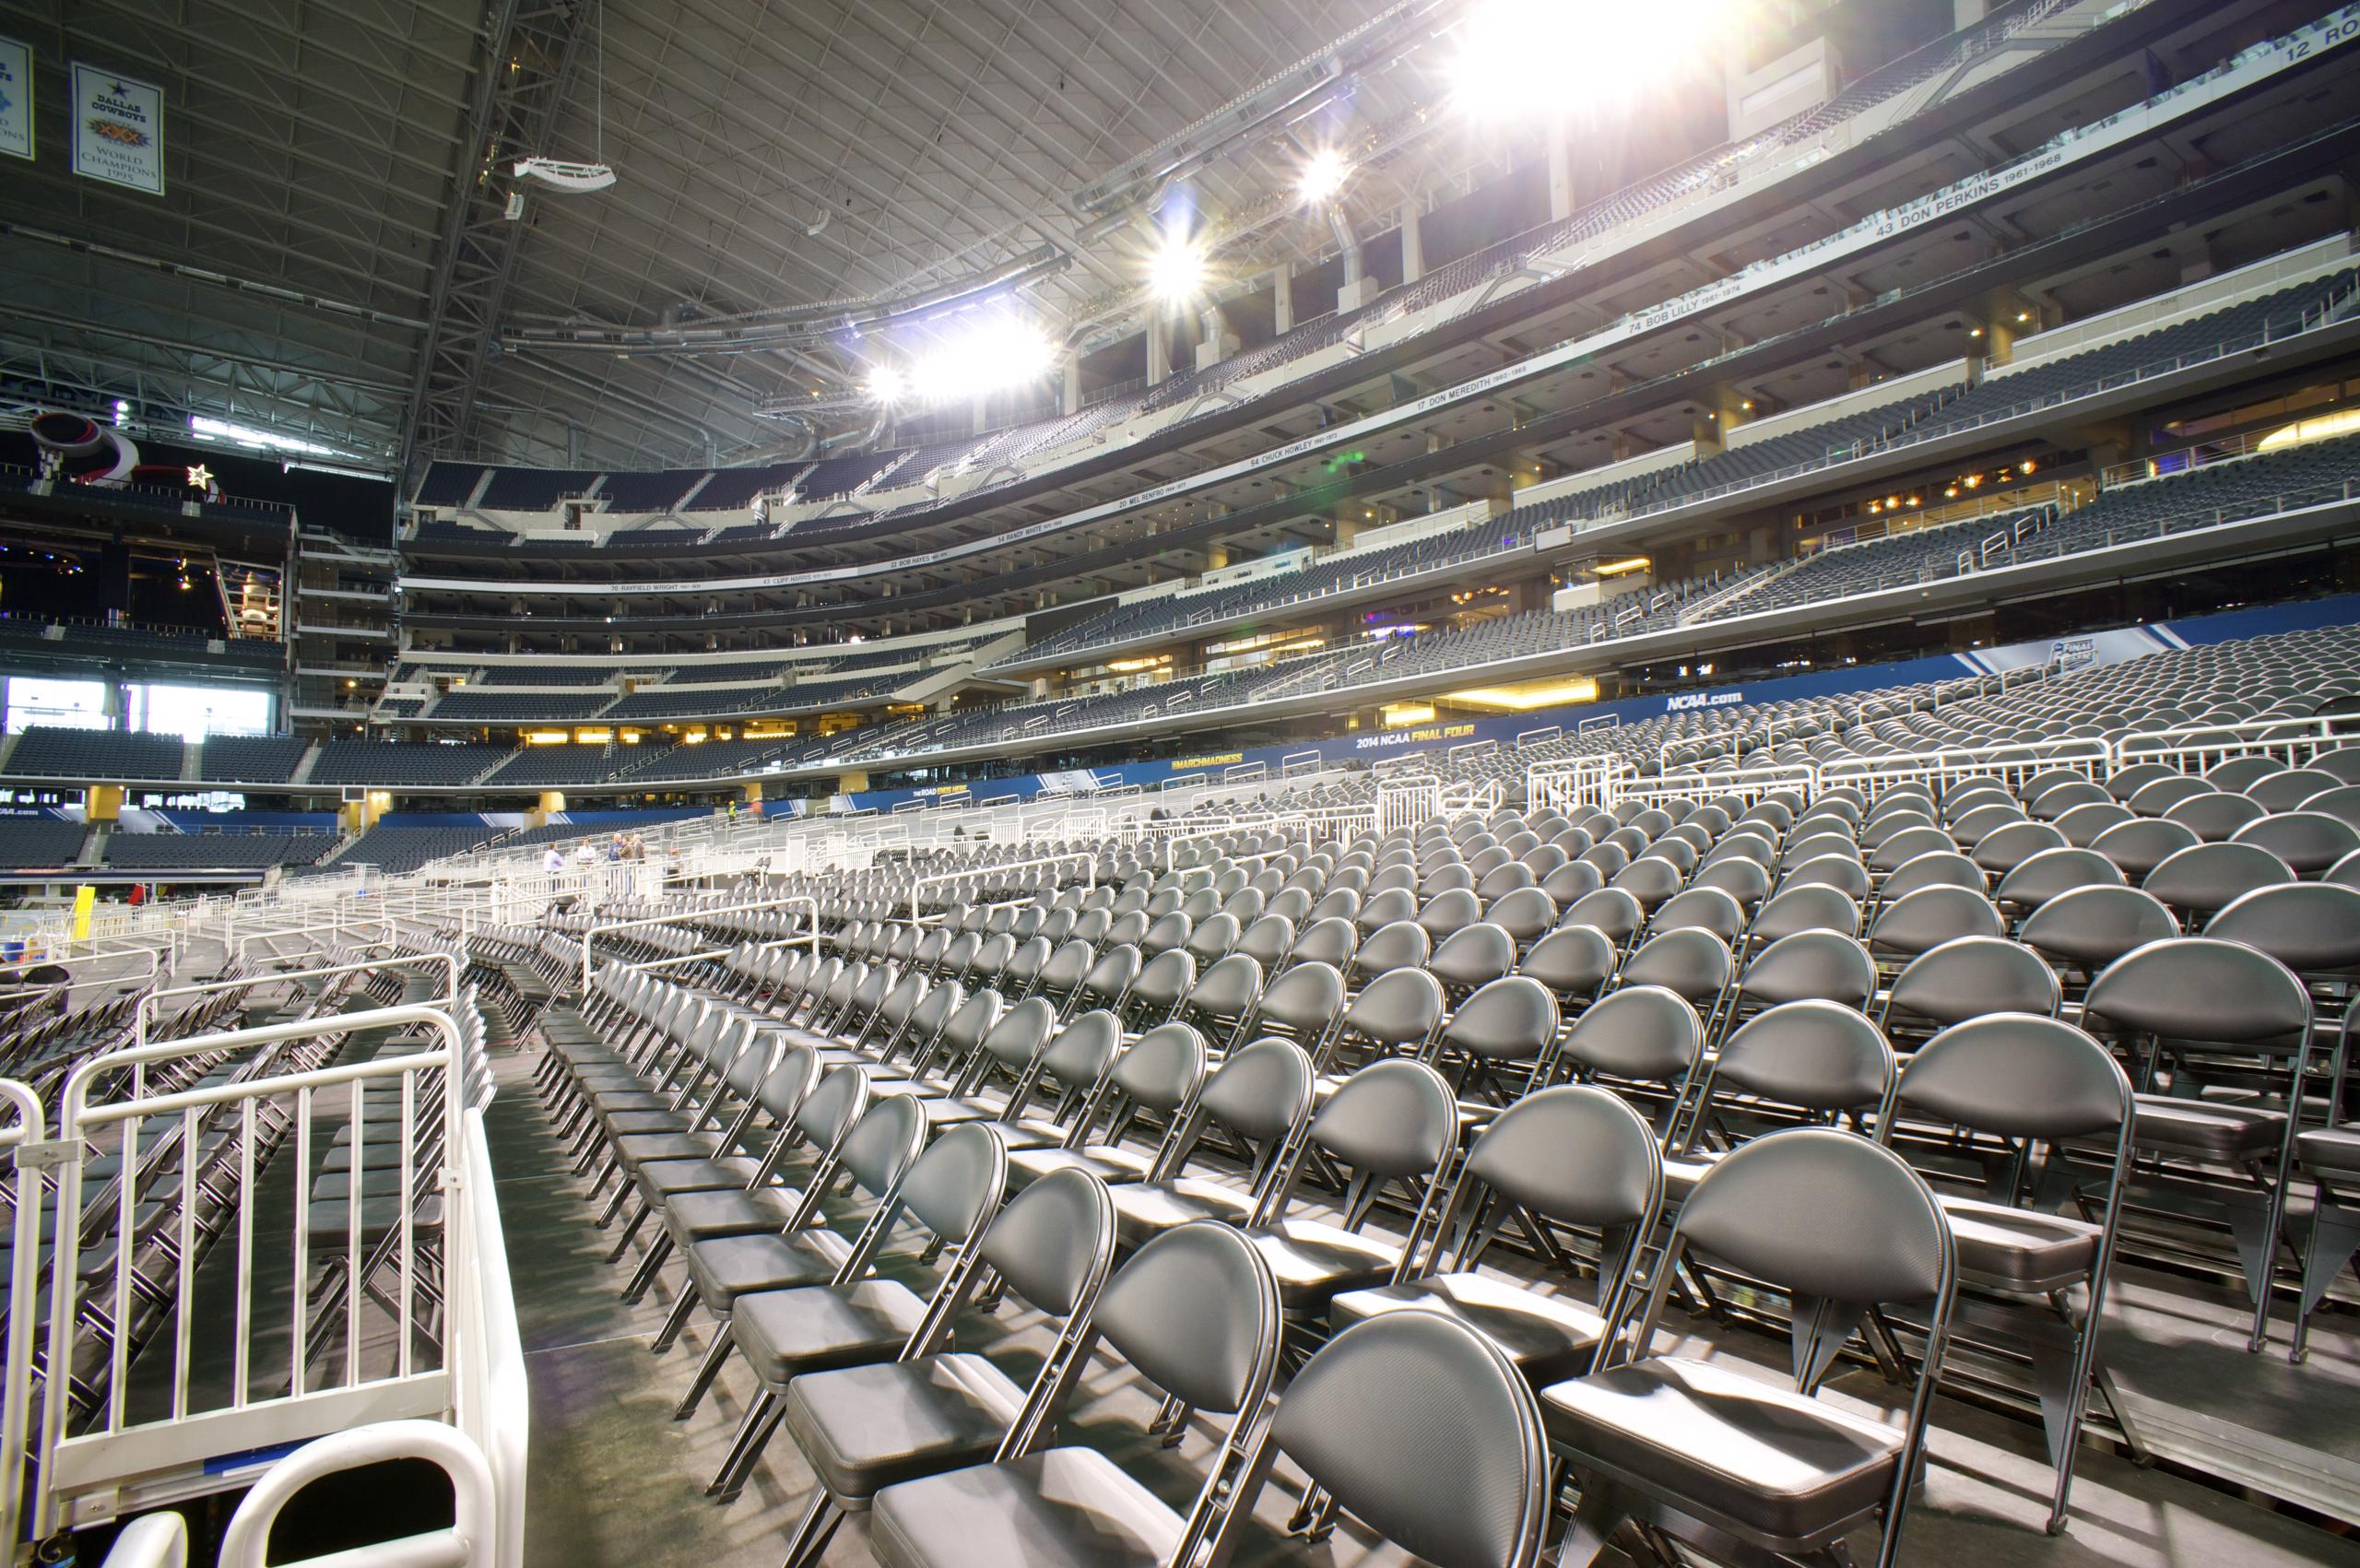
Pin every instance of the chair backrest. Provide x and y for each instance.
(1971, 977)
(1162, 1069)
(1693, 963)
(1260, 1093)
(1810, 907)
(1642, 1033)
(1304, 1002)
(2207, 876)
(1828, 1217)
(1511, 1019)
(952, 1189)
(1816, 1054)
(1811, 964)
(1052, 1242)
(2311, 927)
(884, 1143)
(1472, 955)
(1417, 1426)
(1332, 940)
(2200, 988)
(1399, 944)
(2018, 1076)
(1925, 919)
(1702, 909)
(1399, 1009)
(2037, 878)
(2093, 926)
(1573, 961)
(1573, 1154)
(1196, 1311)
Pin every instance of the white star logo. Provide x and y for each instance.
(200, 478)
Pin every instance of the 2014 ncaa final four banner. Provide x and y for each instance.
(118, 129)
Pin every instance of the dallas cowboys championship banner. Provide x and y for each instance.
(15, 99)
(118, 129)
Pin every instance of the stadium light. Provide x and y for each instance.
(1177, 270)
(886, 383)
(1545, 59)
(992, 356)
(1323, 175)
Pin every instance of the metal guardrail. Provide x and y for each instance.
(128, 1461)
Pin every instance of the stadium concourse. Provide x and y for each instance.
(1100, 783)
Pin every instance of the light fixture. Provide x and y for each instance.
(1176, 271)
(1524, 60)
(886, 383)
(248, 436)
(989, 356)
(1323, 175)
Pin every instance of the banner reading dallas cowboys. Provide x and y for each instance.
(118, 129)
(15, 99)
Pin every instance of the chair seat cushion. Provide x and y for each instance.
(1722, 1444)
(2018, 1250)
(622, 1124)
(658, 1179)
(1116, 1165)
(865, 1428)
(1147, 1210)
(1063, 1508)
(699, 1215)
(724, 1270)
(607, 1101)
(1546, 1338)
(783, 1334)
(2331, 1148)
(2208, 1130)
(640, 1148)
(1314, 1260)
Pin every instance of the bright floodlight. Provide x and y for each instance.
(1323, 175)
(886, 383)
(1177, 270)
(1548, 59)
(988, 358)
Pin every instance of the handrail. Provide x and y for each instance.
(1089, 864)
(609, 927)
(243, 1425)
(145, 1010)
(472, 1541)
(25, 1142)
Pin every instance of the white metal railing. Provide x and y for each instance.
(1574, 784)
(118, 1459)
(1406, 800)
(476, 1537)
(1088, 862)
(2201, 747)
(23, 1139)
(1748, 784)
(690, 916)
(2009, 763)
(143, 1011)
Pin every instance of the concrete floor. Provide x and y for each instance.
(616, 1483)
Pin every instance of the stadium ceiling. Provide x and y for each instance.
(333, 257)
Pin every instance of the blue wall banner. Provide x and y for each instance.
(15, 99)
(118, 129)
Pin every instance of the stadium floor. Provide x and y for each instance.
(616, 1483)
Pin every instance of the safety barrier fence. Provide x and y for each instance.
(342, 1317)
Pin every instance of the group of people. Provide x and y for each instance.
(621, 847)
